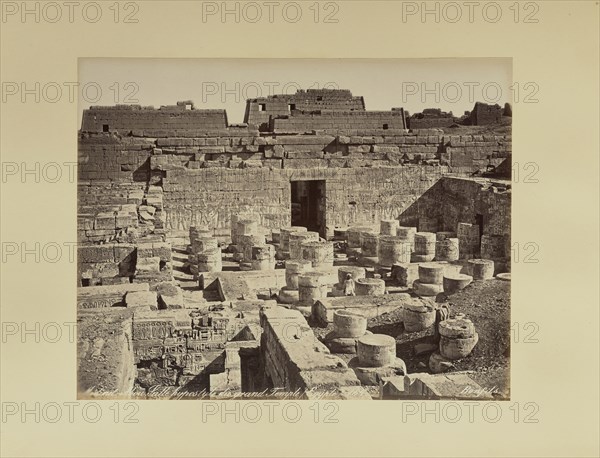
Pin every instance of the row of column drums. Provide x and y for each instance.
(305, 285)
(395, 244)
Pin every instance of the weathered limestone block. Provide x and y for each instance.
(405, 273)
(92, 297)
(170, 296)
(146, 266)
(142, 299)
(105, 220)
(95, 253)
(202, 244)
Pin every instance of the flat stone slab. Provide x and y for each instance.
(99, 297)
(368, 306)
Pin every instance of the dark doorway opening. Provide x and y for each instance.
(308, 205)
(479, 222)
(104, 127)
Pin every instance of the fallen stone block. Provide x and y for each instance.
(142, 299)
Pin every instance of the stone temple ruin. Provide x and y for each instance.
(318, 248)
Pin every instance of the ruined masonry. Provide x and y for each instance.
(217, 259)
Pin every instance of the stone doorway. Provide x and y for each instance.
(308, 205)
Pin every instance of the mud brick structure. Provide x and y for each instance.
(430, 118)
(185, 221)
(484, 114)
(260, 110)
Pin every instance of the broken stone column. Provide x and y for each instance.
(284, 236)
(348, 327)
(354, 233)
(198, 232)
(356, 272)
(388, 226)
(376, 358)
(453, 283)
(369, 244)
(424, 247)
(376, 350)
(202, 244)
(293, 269)
(205, 252)
(481, 269)
(370, 287)
(408, 233)
(320, 254)
(457, 338)
(263, 257)
(312, 287)
(418, 316)
(246, 242)
(393, 250)
(295, 242)
(246, 227)
(210, 261)
(431, 273)
(343, 271)
(289, 294)
(405, 273)
(446, 250)
(468, 240)
(430, 280)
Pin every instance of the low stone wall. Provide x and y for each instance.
(294, 359)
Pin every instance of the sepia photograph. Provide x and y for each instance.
(335, 229)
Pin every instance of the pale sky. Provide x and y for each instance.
(226, 83)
